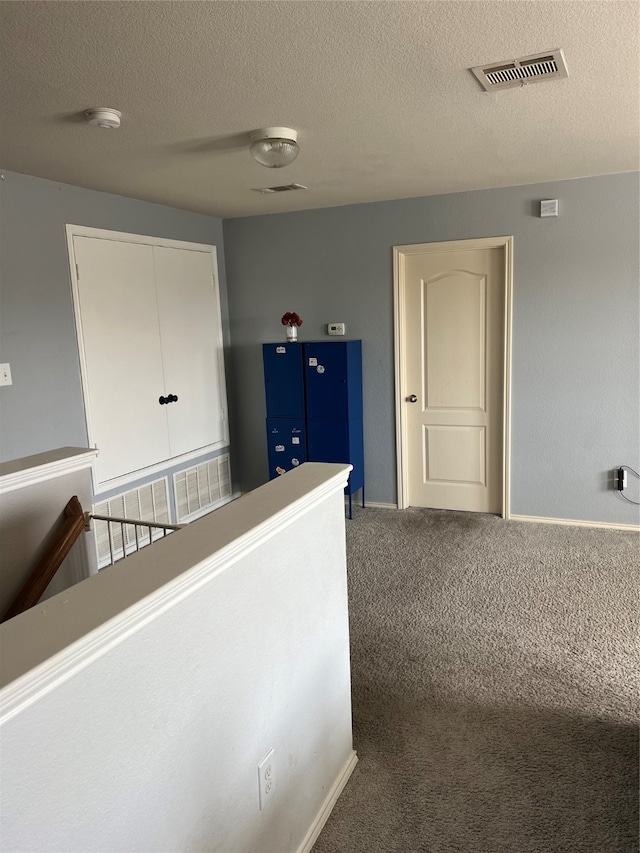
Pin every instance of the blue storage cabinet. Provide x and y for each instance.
(323, 380)
(283, 380)
(333, 384)
(286, 445)
(284, 392)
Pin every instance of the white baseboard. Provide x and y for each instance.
(372, 504)
(606, 525)
(326, 808)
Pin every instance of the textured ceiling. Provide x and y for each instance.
(379, 92)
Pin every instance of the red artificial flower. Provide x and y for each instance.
(291, 319)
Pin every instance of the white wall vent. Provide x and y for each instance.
(146, 503)
(201, 488)
(285, 188)
(518, 72)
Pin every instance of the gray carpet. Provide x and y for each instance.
(495, 687)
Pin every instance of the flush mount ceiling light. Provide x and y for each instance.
(103, 117)
(274, 147)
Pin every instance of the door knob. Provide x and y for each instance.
(412, 399)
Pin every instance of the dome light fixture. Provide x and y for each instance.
(274, 147)
(103, 117)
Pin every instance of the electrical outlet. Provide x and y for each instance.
(621, 479)
(5, 374)
(266, 779)
(335, 328)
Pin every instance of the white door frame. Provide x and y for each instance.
(400, 253)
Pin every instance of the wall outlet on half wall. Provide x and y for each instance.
(266, 779)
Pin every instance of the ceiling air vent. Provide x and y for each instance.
(519, 72)
(285, 188)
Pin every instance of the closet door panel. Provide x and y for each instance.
(191, 339)
(120, 347)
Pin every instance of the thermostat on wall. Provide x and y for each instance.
(335, 328)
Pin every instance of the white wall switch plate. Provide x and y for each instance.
(266, 779)
(5, 374)
(335, 328)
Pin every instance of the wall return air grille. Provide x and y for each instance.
(146, 503)
(519, 72)
(201, 488)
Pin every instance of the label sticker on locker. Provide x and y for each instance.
(281, 350)
(295, 440)
(279, 448)
(313, 362)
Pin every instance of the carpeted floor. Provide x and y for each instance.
(495, 687)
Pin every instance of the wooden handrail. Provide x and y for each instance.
(40, 578)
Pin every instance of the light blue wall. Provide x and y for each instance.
(43, 409)
(576, 326)
(575, 329)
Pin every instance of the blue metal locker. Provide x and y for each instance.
(333, 385)
(314, 396)
(283, 380)
(286, 445)
(333, 378)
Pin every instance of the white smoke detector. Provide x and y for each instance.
(103, 117)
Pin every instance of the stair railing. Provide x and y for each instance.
(123, 523)
(75, 522)
(33, 588)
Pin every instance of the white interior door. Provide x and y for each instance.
(120, 349)
(191, 347)
(453, 365)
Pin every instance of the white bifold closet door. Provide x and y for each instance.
(149, 327)
(189, 324)
(123, 373)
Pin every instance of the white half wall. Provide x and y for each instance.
(137, 706)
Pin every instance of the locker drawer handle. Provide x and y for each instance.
(172, 398)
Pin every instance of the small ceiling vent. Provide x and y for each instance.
(285, 188)
(519, 72)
